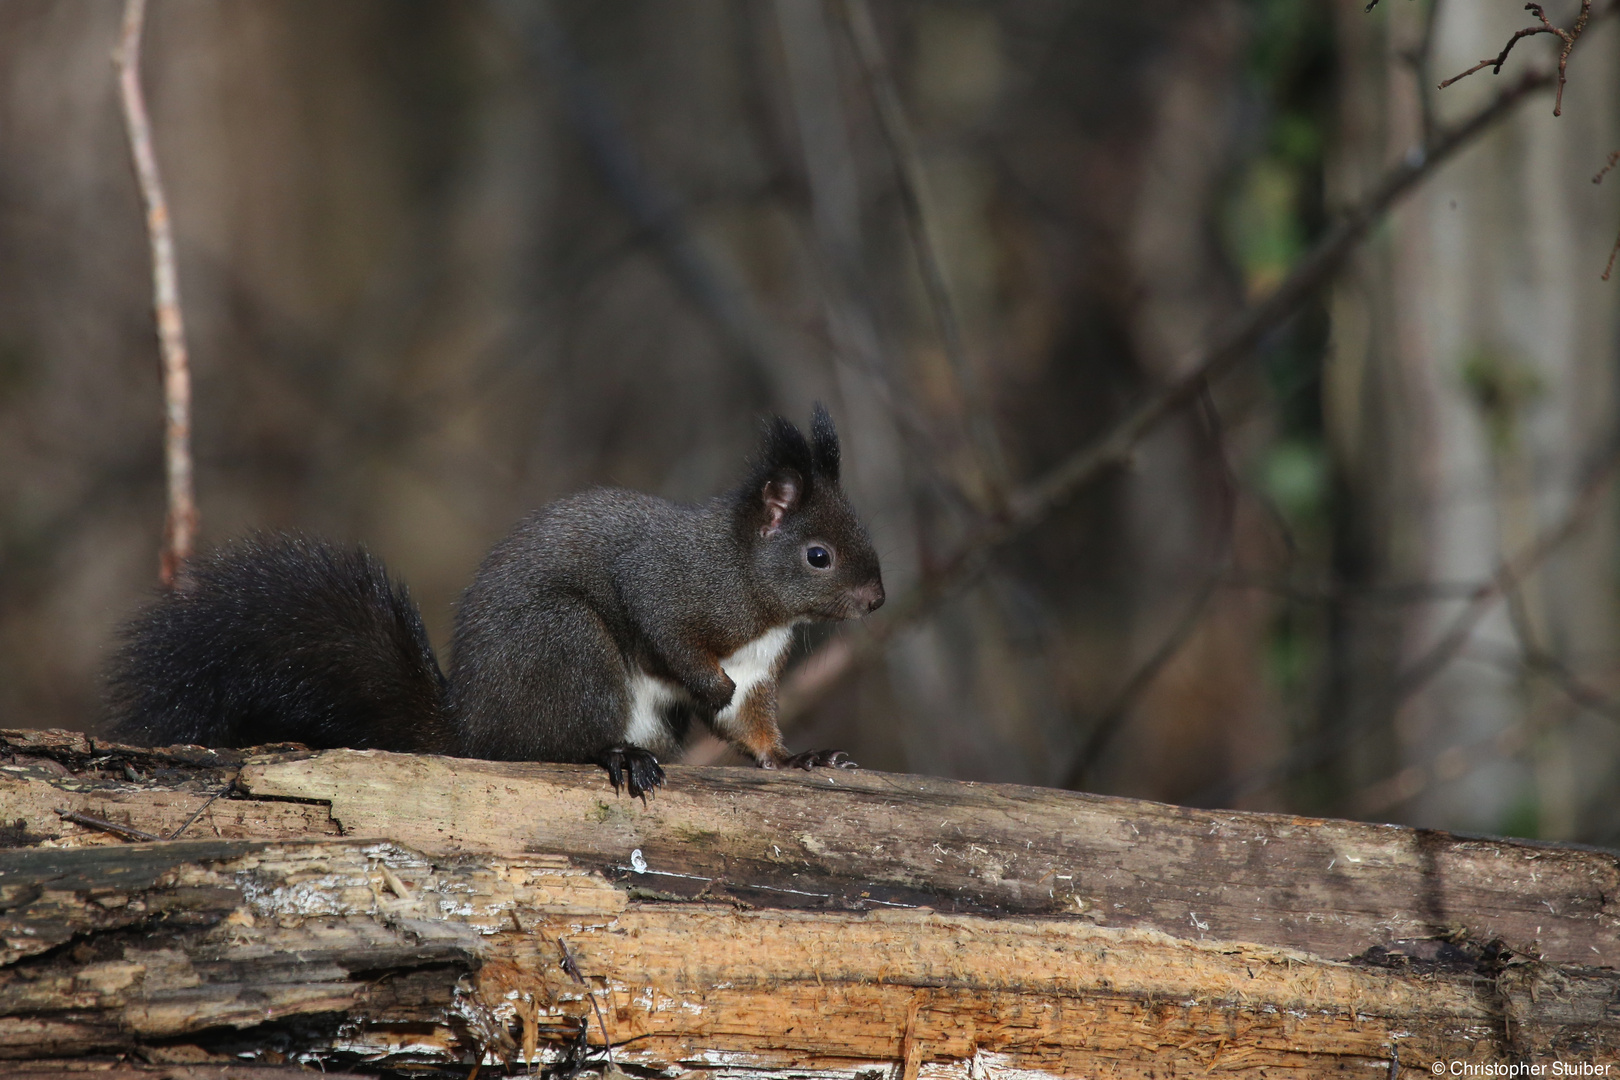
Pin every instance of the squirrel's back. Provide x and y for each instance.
(278, 638)
(550, 631)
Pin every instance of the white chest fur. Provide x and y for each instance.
(749, 666)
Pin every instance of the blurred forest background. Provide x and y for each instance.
(442, 262)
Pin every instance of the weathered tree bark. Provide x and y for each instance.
(378, 911)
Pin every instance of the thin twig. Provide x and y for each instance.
(851, 326)
(1536, 659)
(571, 966)
(192, 820)
(1457, 761)
(1501, 58)
(1505, 580)
(1342, 593)
(1580, 692)
(921, 223)
(1452, 763)
(126, 831)
(1420, 57)
(1030, 505)
(180, 523)
(1113, 717)
(706, 279)
(1545, 26)
(1118, 711)
(1461, 630)
(1614, 159)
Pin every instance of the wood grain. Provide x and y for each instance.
(433, 960)
(373, 912)
(864, 840)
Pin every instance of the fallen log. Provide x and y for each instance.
(381, 912)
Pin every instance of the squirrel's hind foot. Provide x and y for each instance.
(825, 759)
(632, 767)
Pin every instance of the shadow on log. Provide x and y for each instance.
(387, 913)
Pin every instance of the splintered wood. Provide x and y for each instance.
(753, 924)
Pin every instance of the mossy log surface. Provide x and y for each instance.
(376, 912)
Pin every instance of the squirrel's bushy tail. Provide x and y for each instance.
(279, 638)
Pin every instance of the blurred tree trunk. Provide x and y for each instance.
(1469, 384)
(1207, 713)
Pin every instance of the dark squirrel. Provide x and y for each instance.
(596, 632)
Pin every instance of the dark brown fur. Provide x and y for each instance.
(282, 638)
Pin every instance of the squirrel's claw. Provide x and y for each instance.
(632, 767)
(826, 759)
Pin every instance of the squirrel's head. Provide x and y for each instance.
(809, 551)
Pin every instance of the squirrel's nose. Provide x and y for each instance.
(869, 596)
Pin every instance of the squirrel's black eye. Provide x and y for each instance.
(818, 556)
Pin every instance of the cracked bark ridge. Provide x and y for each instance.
(773, 923)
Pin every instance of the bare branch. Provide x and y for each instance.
(1113, 718)
(571, 966)
(125, 831)
(1505, 581)
(1452, 763)
(1456, 761)
(1417, 675)
(1341, 593)
(230, 785)
(707, 279)
(1614, 159)
(1030, 505)
(180, 525)
(1501, 58)
(920, 221)
(1536, 659)
(1419, 57)
(1545, 26)
(1577, 689)
(835, 213)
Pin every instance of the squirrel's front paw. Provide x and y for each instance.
(633, 767)
(825, 759)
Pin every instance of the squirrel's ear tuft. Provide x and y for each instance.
(783, 449)
(823, 443)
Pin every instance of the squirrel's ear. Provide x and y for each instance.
(779, 482)
(824, 443)
(781, 495)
